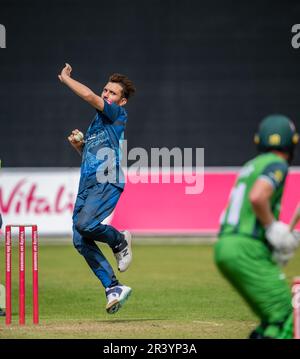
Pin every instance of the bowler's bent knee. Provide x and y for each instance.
(87, 226)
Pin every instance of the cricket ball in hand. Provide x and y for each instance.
(78, 137)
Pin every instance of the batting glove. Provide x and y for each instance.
(280, 237)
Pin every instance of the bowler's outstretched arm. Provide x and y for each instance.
(81, 90)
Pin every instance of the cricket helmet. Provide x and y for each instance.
(276, 132)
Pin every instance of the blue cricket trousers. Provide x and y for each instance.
(93, 205)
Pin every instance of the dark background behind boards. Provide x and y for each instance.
(206, 73)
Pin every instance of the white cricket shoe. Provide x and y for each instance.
(116, 297)
(124, 257)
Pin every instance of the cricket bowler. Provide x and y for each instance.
(101, 182)
(253, 244)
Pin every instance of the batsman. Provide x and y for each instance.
(253, 244)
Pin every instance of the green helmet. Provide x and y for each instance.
(276, 132)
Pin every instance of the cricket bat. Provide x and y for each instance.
(295, 219)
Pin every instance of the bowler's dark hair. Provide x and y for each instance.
(126, 84)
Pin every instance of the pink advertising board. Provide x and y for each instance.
(167, 209)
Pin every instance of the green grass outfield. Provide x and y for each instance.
(177, 294)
